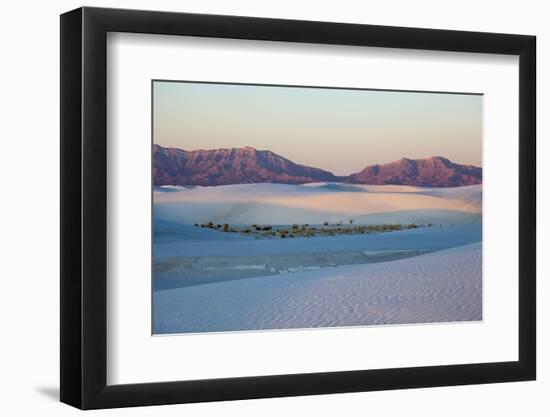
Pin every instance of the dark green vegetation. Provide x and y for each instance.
(305, 230)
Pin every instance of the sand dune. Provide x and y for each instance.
(193, 242)
(208, 281)
(197, 255)
(413, 290)
(317, 203)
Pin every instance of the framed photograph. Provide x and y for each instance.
(257, 207)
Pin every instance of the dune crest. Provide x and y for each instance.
(279, 204)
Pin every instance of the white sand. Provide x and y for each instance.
(443, 286)
(316, 203)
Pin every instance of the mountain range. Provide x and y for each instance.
(172, 166)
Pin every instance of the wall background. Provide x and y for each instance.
(29, 219)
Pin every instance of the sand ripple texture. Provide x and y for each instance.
(443, 286)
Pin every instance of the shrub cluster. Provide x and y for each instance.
(305, 230)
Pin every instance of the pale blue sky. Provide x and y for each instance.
(339, 130)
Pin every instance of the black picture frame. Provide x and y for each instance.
(84, 207)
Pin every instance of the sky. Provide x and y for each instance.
(339, 130)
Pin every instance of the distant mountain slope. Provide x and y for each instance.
(173, 166)
(430, 172)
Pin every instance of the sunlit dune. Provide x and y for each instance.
(316, 203)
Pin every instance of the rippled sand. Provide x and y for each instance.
(442, 286)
